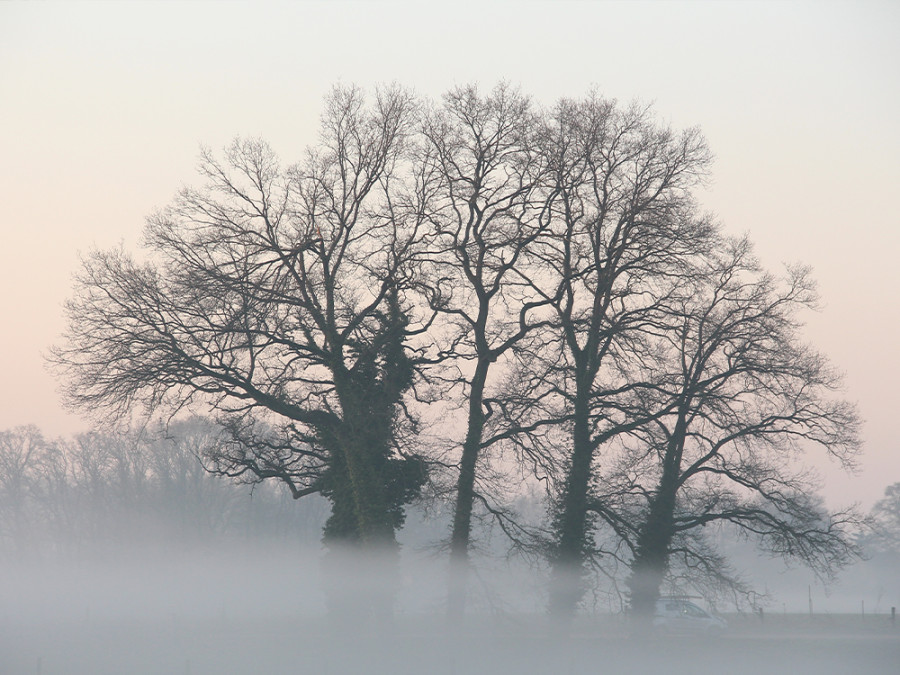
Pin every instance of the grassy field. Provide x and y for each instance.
(265, 616)
(838, 644)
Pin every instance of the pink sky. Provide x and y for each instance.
(103, 107)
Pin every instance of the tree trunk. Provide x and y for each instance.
(465, 497)
(373, 521)
(361, 567)
(651, 557)
(567, 567)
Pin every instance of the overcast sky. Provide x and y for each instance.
(103, 107)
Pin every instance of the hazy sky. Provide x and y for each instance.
(103, 107)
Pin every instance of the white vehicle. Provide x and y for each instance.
(681, 616)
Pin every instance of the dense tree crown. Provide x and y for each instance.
(544, 271)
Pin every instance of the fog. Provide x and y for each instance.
(263, 611)
(119, 563)
(120, 554)
(244, 603)
(126, 557)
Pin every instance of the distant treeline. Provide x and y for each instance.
(104, 492)
(118, 494)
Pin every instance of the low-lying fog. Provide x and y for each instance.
(258, 605)
(234, 610)
(112, 573)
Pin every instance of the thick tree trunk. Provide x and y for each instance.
(373, 520)
(567, 573)
(360, 513)
(465, 497)
(651, 557)
(359, 451)
(361, 567)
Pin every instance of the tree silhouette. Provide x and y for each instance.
(275, 298)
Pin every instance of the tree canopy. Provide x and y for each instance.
(545, 270)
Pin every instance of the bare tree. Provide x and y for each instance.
(743, 399)
(886, 521)
(132, 491)
(623, 234)
(21, 454)
(276, 299)
(551, 264)
(486, 212)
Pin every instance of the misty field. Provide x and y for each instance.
(227, 612)
(421, 644)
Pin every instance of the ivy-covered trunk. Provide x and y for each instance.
(356, 483)
(651, 558)
(654, 541)
(367, 483)
(571, 520)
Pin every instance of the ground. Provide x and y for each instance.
(421, 644)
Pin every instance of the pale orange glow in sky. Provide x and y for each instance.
(103, 107)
